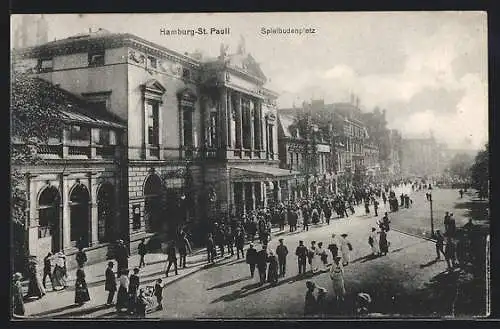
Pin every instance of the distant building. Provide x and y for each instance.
(310, 156)
(421, 157)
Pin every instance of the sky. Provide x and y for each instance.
(427, 69)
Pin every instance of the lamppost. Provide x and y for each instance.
(432, 216)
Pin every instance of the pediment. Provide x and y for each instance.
(154, 86)
(187, 94)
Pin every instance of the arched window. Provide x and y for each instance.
(80, 215)
(49, 217)
(152, 196)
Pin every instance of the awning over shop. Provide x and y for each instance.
(258, 173)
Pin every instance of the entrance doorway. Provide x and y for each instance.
(152, 206)
(49, 220)
(106, 213)
(80, 216)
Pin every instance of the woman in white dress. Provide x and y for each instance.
(337, 276)
(345, 249)
(373, 241)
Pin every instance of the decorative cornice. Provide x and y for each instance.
(72, 46)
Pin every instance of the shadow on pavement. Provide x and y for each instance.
(83, 312)
(430, 263)
(61, 309)
(365, 258)
(247, 290)
(410, 245)
(227, 284)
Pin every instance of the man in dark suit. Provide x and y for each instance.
(142, 250)
(262, 264)
(251, 259)
(301, 253)
(171, 257)
(110, 284)
(282, 252)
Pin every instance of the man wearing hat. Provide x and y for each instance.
(262, 257)
(282, 252)
(301, 253)
(110, 283)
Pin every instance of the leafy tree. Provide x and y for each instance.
(460, 165)
(34, 118)
(480, 173)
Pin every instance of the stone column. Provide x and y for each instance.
(229, 121)
(253, 195)
(66, 218)
(224, 141)
(278, 189)
(252, 127)
(264, 193)
(94, 236)
(243, 197)
(239, 122)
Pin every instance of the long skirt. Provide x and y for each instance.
(375, 247)
(338, 286)
(384, 246)
(81, 293)
(35, 286)
(346, 255)
(122, 299)
(272, 274)
(59, 277)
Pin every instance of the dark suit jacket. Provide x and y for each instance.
(110, 284)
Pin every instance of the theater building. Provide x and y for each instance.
(201, 137)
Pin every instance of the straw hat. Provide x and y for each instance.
(17, 276)
(364, 297)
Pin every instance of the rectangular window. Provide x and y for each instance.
(152, 123)
(152, 62)
(186, 73)
(96, 58)
(188, 125)
(79, 133)
(45, 64)
(104, 137)
(270, 139)
(213, 129)
(136, 217)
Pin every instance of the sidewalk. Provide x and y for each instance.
(61, 303)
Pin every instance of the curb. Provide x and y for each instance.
(414, 235)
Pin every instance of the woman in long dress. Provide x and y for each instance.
(345, 249)
(337, 276)
(373, 241)
(272, 271)
(60, 277)
(17, 295)
(122, 297)
(322, 256)
(81, 290)
(35, 286)
(383, 243)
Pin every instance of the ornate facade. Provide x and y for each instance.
(201, 139)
